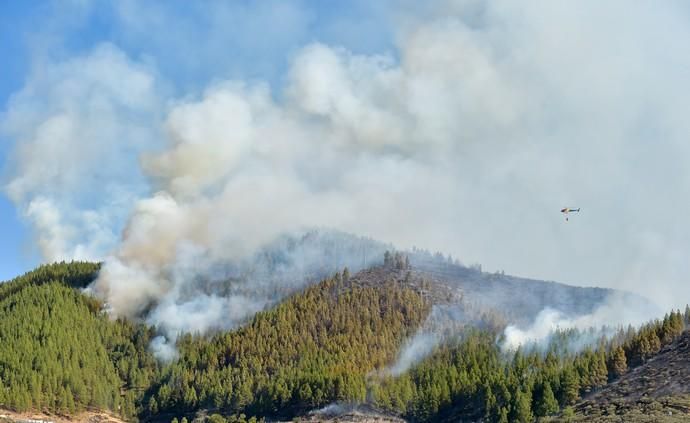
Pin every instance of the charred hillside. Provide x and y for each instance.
(658, 390)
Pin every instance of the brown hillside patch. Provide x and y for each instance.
(7, 416)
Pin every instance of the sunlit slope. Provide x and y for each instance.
(314, 348)
(61, 353)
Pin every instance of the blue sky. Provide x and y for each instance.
(14, 23)
(188, 43)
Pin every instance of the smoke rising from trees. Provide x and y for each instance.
(468, 137)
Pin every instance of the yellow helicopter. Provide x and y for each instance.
(567, 210)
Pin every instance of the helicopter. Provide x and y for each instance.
(567, 210)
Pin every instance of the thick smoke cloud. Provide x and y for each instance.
(78, 127)
(467, 138)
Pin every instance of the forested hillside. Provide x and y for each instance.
(472, 379)
(60, 353)
(74, 274)
(315, 348)
(333, 342)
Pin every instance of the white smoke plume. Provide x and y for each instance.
(485, 119)
(615, 313)
(196, 292)
(445, 323)
(415, 350)
(78, 127)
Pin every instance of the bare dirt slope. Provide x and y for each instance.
(7, 416)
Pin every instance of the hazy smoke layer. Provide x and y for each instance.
(468, 138)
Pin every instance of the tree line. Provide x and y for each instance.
(473, 379)
(59, 352)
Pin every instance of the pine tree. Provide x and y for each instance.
(570, 387)
(521, 408)
(153, 405)
(305, 394)
(598, 369)
(546, 403)
(618, 363)
(69, 400)
(62, 406)
(503, 415)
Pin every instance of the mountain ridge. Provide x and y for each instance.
(390, 302)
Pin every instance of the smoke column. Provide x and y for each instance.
(484, 120)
